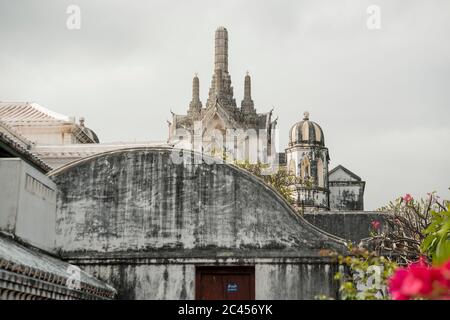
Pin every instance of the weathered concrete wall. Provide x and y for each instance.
(142, 223)
(277, 279)
(347, 195)
(295, 281)
(9, 193)
(138, 200)
(27, 203)
(311, 199)
(351, 225)
(148, 281)
(346, 190)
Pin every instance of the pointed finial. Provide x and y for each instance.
(247, 73)
(196, 74)
(306, 115)
(247, 88)
(195, 88)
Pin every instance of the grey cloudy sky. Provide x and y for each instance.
(382, 96)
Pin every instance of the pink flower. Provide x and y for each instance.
(422, 262)
(412, 282)
(419, 280)
(396, 284)
(375, 224)
(407, 198)
(445, 269)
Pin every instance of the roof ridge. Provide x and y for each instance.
(346, 170)
(16, 111)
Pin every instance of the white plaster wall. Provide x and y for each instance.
(28, 203)
(49, 135)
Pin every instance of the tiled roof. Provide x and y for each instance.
(16, 113)
(20, 145)
(26, 264)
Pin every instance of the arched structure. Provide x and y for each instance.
(145, 221)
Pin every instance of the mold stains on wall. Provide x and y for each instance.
(142, 223)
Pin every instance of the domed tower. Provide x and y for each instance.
(307, 158)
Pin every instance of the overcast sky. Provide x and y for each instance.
(381, 96)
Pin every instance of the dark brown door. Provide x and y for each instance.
(225, 283)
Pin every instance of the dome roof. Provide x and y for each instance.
(91, 134)
(306, 132)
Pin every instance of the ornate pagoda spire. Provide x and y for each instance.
(247, 105)
(221, 89)
(195, 106)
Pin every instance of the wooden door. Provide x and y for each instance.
(225, 283)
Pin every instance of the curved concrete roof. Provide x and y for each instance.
(187, 205)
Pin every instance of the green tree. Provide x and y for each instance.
(437, 237)
(281, 180)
